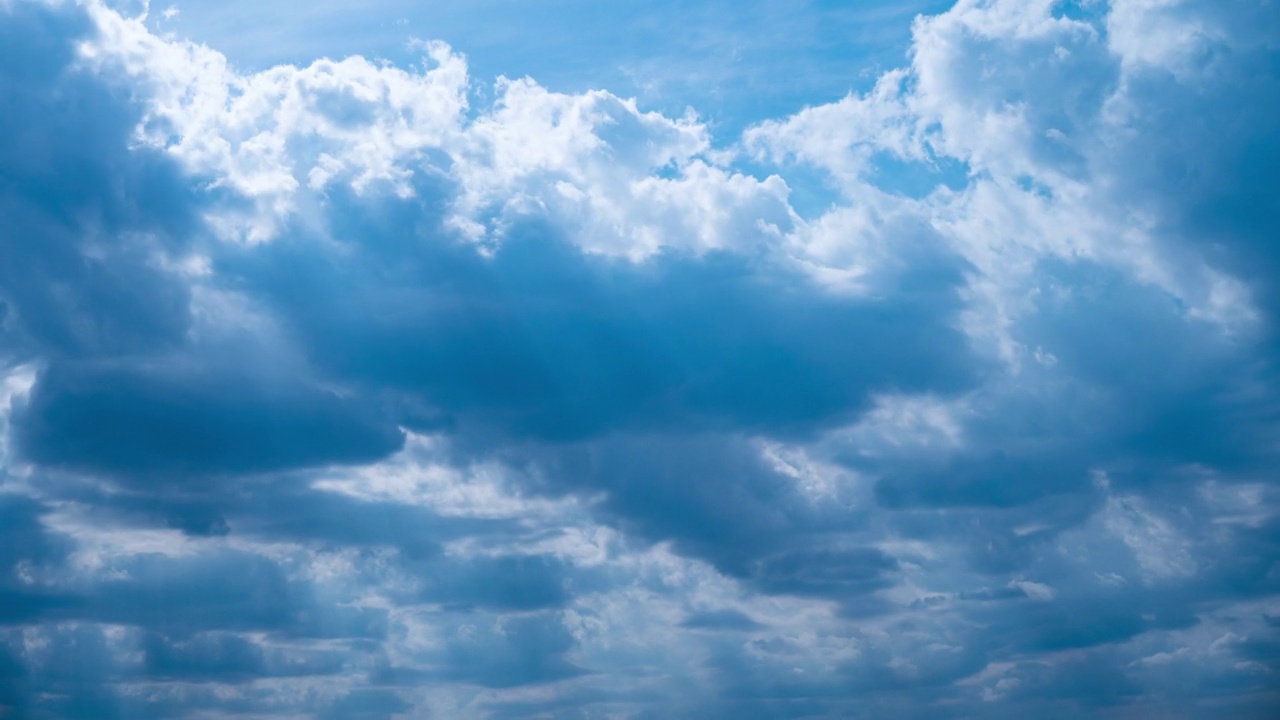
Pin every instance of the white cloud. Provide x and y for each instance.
(842, 137)
(277, 134)
(15, 385)
(1160, 550)
(421, 474)
(1035, 106)
(1160, 34)
(590, 164)
(1021, 97)
(619, 180)
(1034, 590)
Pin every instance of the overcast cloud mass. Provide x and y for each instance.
(640, 360)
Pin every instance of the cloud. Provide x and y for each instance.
(86, 222)
(30, 552)
(518, 651)
(353, 390)
(582, 344)
(720, 620)
(192, 421)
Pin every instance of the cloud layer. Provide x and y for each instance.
(361, 391)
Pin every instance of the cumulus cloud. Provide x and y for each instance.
(356, 390)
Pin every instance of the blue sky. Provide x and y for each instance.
(640, 360)
(735, 63)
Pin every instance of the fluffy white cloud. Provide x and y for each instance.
(1036, 106)
(620, 180)
(272, 136)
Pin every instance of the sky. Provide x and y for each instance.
(586, 360)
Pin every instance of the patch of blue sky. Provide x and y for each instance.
(734, 62)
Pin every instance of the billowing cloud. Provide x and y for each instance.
(350, 389)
